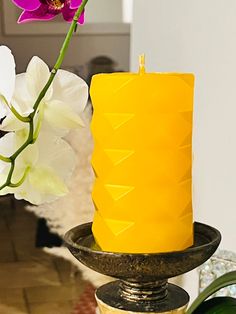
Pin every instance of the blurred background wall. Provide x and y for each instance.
(83, 47)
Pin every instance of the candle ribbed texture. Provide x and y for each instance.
(142, 159)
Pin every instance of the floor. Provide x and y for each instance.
(32, 281)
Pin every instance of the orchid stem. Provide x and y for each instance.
(19, 117)
(14, 185)
(30, 119)
(39, 123)
(5, 159)
(61, 56)
(14, 111)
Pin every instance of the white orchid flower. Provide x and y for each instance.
(64, 101)
(7, 79)
(42, 170)
(45, 166)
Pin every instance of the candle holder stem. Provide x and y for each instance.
(144, 291)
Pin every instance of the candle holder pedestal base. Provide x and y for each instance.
(158, 297)
(143, 278)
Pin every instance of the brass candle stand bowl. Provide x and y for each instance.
(143, 278)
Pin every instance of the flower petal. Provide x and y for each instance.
(11, 123)
(4, 111)
(46, 181)
(68, 14)
(22, 101)
(6, 149)
(11, 141)
(47, 127)
(60, 115)
(40, 14)
(70, 89)
(7, 144)
(30, 156)
(55, 152)
(37, 75)
(3, 177)
(74, 4)
(27, 5)
(82, 18)
(7, 73)
(26, 192)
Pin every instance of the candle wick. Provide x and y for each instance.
(142, 64)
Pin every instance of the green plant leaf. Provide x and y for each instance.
(218, 305)
(221, 282)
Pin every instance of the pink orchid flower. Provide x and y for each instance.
(36, 10)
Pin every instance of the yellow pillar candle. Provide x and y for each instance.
(142, 129)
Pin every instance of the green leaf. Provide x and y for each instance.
(221, 282)
(219, 305)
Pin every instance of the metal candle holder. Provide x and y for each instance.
(143, 278)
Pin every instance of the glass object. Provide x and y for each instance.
(220, 263)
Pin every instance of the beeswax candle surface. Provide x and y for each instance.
(142, 130)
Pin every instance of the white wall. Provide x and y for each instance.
(200, 36)
(81, 50)
(104, 11)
